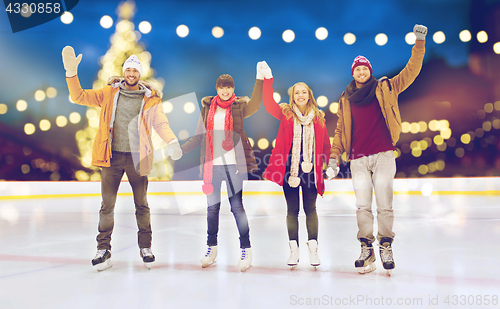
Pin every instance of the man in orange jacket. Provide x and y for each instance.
(130, 108)
(368, 127)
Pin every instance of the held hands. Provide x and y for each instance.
(70, 61)
(263, 71)
(333, 169)
(420, 32)
(174, 150)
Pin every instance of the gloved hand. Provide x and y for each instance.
(263, 71)
(420, 32)
(333, 168)
(70, 61)
(174, 150)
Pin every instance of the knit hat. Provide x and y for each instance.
(132, 62)
(360, 60)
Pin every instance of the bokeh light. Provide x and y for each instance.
(349, 38)
(145, 27)
(21, 105)
(482, 37)
(67, 18)
(439, 37)
(381, 39)
(465, 36)
(106, 22)
(321, 33)
(263, 143)
(217, 32)
(322, 101)
(254, 33)
(288, 36)
(182, 31)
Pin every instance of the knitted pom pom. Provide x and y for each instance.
(227, 144)
(293, 182)
(306, 167)
(207, 188)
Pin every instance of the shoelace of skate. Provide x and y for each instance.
(100, 253)
(365, 252)
(386, 252)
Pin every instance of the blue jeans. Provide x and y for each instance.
(234, 183)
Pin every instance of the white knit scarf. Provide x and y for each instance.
(307, 145)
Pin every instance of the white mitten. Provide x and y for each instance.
(263, 71)
(70, 61)
(333, 168)
(174, 150)
(420, 32)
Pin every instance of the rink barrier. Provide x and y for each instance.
(10, 190)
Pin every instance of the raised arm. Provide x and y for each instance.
(253, 105)
(406, 77)
(271, 106)
(78, 95)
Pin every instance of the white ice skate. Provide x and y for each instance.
(385, 250)
(366, 261)
(147, 257)
(209, 257)
(293, 259)
(102, 260)
(246, 259)
(313, 253)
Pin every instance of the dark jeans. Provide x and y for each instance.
(234, 183)
(122, 162)
(309, 195)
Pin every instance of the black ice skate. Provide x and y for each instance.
(366, 261)
(102, 260)
(147, 257)
(386, 254)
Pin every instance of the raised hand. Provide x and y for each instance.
(70, 61)
(263, 71)
(420, 32)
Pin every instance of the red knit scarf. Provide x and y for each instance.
(227, 143)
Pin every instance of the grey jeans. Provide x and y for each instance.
(122, 162)
(374, 173)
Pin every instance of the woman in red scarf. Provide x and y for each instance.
(226, 154)
(302, 145)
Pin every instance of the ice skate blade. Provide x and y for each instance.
(389, 271)
(206, 265)
(244, 269)
(104, 265)
(366, 269)
(292, 267)
(148, 265)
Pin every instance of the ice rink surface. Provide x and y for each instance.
(446, 249)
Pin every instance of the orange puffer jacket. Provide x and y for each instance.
(151, 113)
